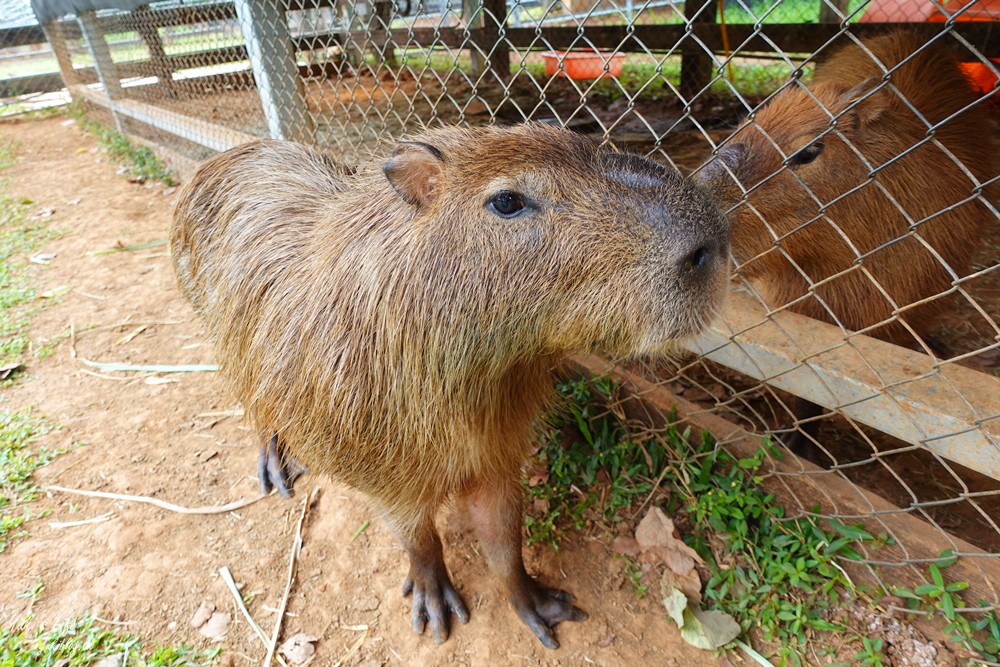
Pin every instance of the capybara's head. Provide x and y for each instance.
(573, 244)
(793, 161)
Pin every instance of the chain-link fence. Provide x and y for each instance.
(29, 74)
(859, 166)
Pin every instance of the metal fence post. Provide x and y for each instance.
(275, 70)
(107, 73)
(54, 34)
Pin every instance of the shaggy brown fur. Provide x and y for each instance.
(870, 247)
(398, 334)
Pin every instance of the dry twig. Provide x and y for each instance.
(293, 560)
(162, 504)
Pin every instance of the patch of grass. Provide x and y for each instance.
(80, 642)
(141, 163)
(776, 575)
(18, 462)
(19, 236)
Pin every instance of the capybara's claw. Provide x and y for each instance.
(276, 468)
(542, 608)
(433, 599)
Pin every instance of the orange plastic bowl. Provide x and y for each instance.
(584, 64)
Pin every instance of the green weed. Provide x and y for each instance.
(774, 574)
(19, 236)
(80, 642)
(140, 162)
(18, 462)
(941, 598)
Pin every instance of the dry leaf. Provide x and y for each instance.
(74, 201)
(628, 546)
(689, 584)
(202, 615)
(112, 661)
(9, 369)
(216, 627)
(299, 648)
(655, 534)
(42, 257)
(46, 212)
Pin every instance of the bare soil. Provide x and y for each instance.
(156, 435)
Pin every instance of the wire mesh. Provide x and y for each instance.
(863, 333)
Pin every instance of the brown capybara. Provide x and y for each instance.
(862, 200)
(396, 328)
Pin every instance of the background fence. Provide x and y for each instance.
(905, 436)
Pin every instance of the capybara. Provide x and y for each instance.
(396, 328)
(863, 199)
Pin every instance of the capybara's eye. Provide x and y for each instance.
(807, 154)
(506, 204)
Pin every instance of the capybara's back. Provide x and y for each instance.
(395, 328)
(864, 199)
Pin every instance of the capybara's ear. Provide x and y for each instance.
(726, 162)
(413, 171)
(872, 104)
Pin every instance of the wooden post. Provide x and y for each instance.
(696, 64)
(151, 36)
(487, 18)
(382, 45)
(272, 58)
(55, 36)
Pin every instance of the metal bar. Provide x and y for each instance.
(103, 64)
(951, 410)
(275, 70)
(196, 130)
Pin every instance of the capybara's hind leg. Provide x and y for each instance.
(434, 596)
(276, 468)
(495, 508)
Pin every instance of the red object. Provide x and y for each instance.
(584, 64)
(979, 74)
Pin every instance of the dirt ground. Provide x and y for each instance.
(162, 435)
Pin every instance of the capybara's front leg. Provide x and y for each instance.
(277, 468)
(495, 508)
(434, 596)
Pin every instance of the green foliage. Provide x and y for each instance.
(80, 642)
(772, 573)
(942, 599)
(18, 238)
(18, 462)
(871, 652)
(140, 162)
(591, 446)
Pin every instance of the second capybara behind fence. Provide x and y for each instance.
(866, 193)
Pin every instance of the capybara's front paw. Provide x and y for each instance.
(542, 608)
(434, 597)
